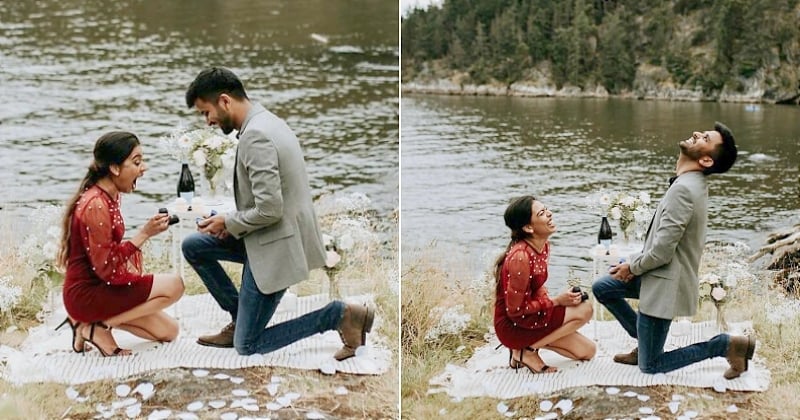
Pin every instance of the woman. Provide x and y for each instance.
(525, 316)
(104, 286)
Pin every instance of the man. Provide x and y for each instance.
(664, 275)
(274, 231)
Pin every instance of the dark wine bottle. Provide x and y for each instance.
(604, 236)
(186, 184)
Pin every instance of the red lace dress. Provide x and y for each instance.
(104, 274)
(523, 312)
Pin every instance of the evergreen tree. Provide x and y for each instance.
(617, 61)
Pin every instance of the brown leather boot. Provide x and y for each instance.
(356, 323)
(223, 339)
(631, 358)
(740, 350)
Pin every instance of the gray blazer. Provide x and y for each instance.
(670, 258)
(274, 211)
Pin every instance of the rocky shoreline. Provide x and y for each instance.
(652, 83)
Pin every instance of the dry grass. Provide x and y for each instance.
(370, 272)
(779, 347)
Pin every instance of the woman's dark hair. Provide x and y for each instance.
(517, 216)
(725, 154)
(110, 149)
(212, 82)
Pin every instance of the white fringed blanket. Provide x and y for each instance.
(487, 373)
(45, 356)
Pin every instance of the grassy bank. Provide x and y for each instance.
(431, 281)
(367, 267)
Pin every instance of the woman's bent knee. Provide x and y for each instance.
(587, 311)
(169, 331)
(178, 287)
(589, 352)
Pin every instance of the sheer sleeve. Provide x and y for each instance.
(113, 261)
(528, 306)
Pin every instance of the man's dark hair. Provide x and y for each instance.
(212, 82)
(725, 154)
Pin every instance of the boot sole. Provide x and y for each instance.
(368, 320)
(210, 344)
(751, 348)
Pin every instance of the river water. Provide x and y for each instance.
(463, 158)
(71, 70)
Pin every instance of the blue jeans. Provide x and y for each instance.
(250, 309)
(651, 332)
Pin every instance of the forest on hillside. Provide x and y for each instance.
(710, 45)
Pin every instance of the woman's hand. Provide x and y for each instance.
(155, 225)
(568, 298)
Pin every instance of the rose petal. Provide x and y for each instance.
(133, 411)
(673, 406)
(564, 405)
(194, 406)
(502, 407)
(217, 404)
(159, 414)
(123, 390)
(144, 388)
(545, 405)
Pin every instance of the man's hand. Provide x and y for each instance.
(621, 272)
(214, 225)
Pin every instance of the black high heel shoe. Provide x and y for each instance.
(512, 363)
(78, 342)
(116, 352)
(519, 363)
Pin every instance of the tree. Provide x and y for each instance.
(617, 61)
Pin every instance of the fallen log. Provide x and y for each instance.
(784, 246)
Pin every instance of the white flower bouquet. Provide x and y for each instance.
(719, 277)
(349, 232)
(631, 211)
(713, 289)
(208, 150)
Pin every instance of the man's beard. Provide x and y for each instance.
(226, 124)
(691, 154)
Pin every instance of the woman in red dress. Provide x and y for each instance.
(525, 316)
(104, 286)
